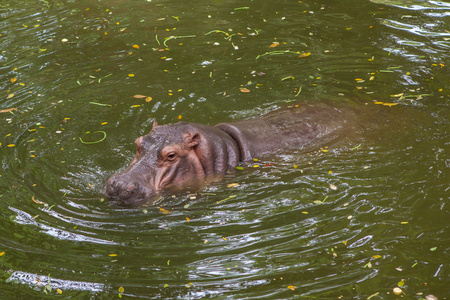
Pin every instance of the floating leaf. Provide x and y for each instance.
(376, 256)
(433, 249)
(37, 201)
(398, 95)
(104, 137)
(188, 220)
(112, 255)
(188, 285)
(121, 289)
(390, 104)
(148, 99)
(397, 291)
(333, 187)
(244, 90)
(10, 96)
(240, 168)
(305, 54)
(228, 198)
(2, 253)
(164, 211)
(139, 96)
(232, 185)
(291, 287)
(7, 110)
(136, 46)
(274, 44)
(13, 80)
(59, 291)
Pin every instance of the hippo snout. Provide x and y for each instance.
(126, 191)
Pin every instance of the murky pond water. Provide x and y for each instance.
(350, 221)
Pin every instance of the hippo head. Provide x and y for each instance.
(173, 155)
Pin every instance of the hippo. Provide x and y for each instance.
(184, 154)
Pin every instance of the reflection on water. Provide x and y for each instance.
(353, 219)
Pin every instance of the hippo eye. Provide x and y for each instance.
(171, 156)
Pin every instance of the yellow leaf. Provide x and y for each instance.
(164, 211)
(136, 105)
(232, 185)
(13, 80)
(2, 253)
(359, 79)
(148, 99)
(305, 54)
(376, 256)
(104, 123)
(244, 90)
(390, 104)
(330, 172)
(121, 289)
(291, 287)
(188, 220)
(136, 46)
(224, 238)
(180, 117)
(398, 95)
(59, 291)
(404, 223)
(112, 255)
(139, 96)
(130, 75)
(305, 212)
(11, 145)
(378, 102)
(10, 96)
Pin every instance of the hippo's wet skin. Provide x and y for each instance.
(181, 154)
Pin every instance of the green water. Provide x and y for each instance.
(71, 68)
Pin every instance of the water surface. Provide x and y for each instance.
(350, 221)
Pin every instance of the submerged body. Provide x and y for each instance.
(181, 154)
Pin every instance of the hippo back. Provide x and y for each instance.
(306, 127)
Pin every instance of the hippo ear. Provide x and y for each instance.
(191, 140)
(155, 124)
